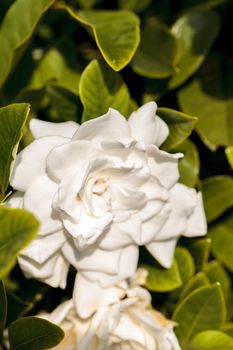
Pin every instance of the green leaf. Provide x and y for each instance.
(16, 307)
(12, 122)
(101, 88)
(217, 195)
(197, 281)
(195, 34)
(229, 154)
(156, 52)
(16, 30)
(216, 273)
(134, 5)
(163, 280)
(202, 309)
(17, 228)
(222, 241)
(210, 94)
(116, 33)
(189, 165)
(185, 264)
(200, 250)
(228, 329)
(33, 333)
(180, 126)
(197, 5)
(212, 340)
(87, 4)
(3, 310)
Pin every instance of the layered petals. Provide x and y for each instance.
(41, 128)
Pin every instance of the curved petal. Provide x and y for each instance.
(197, 225)
(89, 296)
(31, 162)
(110, 126)
(40, 128)
(146, 126)
(69, 158)
(163, 251)
(53, 271)
(38, 199)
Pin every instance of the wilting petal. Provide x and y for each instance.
(111, 126)
(147, 126)
(31, 162)
(40, 128)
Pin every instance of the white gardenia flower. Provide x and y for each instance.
(101, 190)
(125, 325)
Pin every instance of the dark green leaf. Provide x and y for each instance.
(200, 250)
(32, 333)
(185, 264)
(3, 310)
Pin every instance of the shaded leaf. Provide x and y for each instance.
(3, 310)
(200, 250)
(229, 154)
(12, 122)
(180, 126)
(116, 33)
(201, 310)
(209, 96)
(33, 333)
(197, 5)
(155, 55)
(134, 5)
(197, 281)
(185, 264)
(101, 88)
(163, 280)
(217, 190)
(21, 29)
(16, 307)
(16, 226)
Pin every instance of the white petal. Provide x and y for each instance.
(53, 271)
(197, 225)
(147, 126)
(40, 128)
(89, 296)
(164, 166)
(31, 162)
(163, 251)
(60, 313)
(43, 247)
(111, 126)
(38, 199)
(125, 269)
(183, 201)
(69, 158)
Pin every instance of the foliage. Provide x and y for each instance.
(72, 60)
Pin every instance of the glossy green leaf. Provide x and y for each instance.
(216, 273)
(101, 88)
(21, 18)
(222, 241)
(156, 52)
(180, 126)
(209, 96)
(195, 34)
(200, 250)
(189, 165)
(116, 33)
(197, 281)
(17, 228)
(12, 122)
(229, 154)
(218, 195)
(212, 340)
(33, 333)
(163, 280)
(201, 310)
(3, 310)
(185, 264)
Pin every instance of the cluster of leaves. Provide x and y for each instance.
(72, 60)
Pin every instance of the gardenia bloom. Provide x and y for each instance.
(125, 325)
(101, 190)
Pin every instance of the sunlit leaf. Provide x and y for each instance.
(212, 340)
